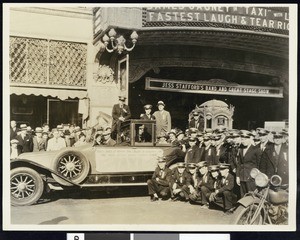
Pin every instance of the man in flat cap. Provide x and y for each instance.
(274, 159)
(247, 158)
(163, 119)
(223, 195)
(120, 113)
(158, 185)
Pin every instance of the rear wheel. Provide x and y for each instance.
(244, 215)
(26, 186)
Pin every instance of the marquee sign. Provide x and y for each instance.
(262, 19)
(211, 87)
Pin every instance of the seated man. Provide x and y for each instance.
(210, 187)
(142, 135)
(179, 190)
(158, 185)
(223, 195)
(107, 140)
(202, 180)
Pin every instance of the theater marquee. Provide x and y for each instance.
(211, 87)
(259, 19)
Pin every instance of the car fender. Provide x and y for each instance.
(31, 163)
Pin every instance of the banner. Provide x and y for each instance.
(262, 19)
(211, 87)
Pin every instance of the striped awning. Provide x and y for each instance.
(62, 94)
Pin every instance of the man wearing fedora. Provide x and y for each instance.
(38, 140)
(163, 119)
(196, 121)
(120, 113)
(25, 142)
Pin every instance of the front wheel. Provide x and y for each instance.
(26, 186)
(244, 215)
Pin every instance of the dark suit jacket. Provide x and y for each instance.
(25, 144)
(145, 117)
(247, 162)
(164, 176)
(192, 155)
(176, 178)
(196, 124)
(13, 133)
(271, 163)
(117, 112)
(220, 155)
(227, 184)
(209, 156)
(39, 146)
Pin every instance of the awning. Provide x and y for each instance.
(53, 92)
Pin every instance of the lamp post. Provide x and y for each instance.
(118, 44)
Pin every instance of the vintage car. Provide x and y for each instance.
(129, 163)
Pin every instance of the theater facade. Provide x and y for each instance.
(69, 64)
(186, 56)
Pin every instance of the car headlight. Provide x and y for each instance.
(254, 172)
(261, 180)
(276, 180)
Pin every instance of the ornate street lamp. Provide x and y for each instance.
(118, 44)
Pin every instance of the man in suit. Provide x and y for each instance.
(56, 142)
(120, 113)
(179, 190)
(147, 115)
(25, 142)
(223, 195)
(274, 159)
(142, 135)
(158, 185)
(247, 158)
(193, 153)
(38, 141)
(196, 121)
(220, 151)
(13, 129)
(163, 119)
(107, 140)
(209, 150)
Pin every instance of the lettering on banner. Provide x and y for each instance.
(259, 17)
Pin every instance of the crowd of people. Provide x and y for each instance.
(217, 165)
(25, 139)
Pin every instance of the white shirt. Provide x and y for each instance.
(56, 144)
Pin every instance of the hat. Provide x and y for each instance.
(29, 128)
(192, 165)
(122, 97)
(284, 132)
(172, 132)
(202, 164)
(277, 134)
(54, 129)
(214, 168)
(220, 130)
(263, 132)
(181, 165)
(246, 134)
(45, 133)
(179, 132)
(141, 126)
(195, 113)
(215, 137)
(23, 127)
(161, 135)
(14, 141)
(38, 130)
(161, 103)
(192, 139)
(208, 130)
(76, 129)
(199, 134)
(161, 159)
(193, 130)
(148, 106)
(224, 166)
(206, 137)
(59, 127)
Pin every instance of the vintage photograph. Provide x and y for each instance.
(166, 117)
